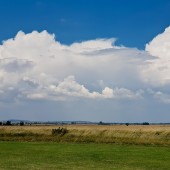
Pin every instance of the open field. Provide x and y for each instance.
(52, 156)
(122, 134)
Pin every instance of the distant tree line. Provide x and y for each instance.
(127, 124)
(22, 123)
(9, 123)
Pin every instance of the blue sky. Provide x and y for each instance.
(94, 60)
(133, 23)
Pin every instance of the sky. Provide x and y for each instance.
(100, 60)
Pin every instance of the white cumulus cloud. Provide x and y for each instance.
(35, 64)
(157, 71)
(39, 75)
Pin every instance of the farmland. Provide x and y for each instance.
(119, 147)
(119, 134)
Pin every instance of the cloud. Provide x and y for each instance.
(160, 45)
(157, 71)
(69, 88)
(15, 65)
(160, 96)
(84, 80)
(35, 64)
(38, 67)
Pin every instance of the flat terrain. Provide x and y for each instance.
(158, 135)
(53, 156)
(109, 147)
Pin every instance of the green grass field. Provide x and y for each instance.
(58, 156)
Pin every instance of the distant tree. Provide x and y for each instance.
(127, 124)
(21, 123)
(8, 123)
(1, 123)
(145, 123)
(100, 123)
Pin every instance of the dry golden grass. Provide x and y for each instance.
(132, 134)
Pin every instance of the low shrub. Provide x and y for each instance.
(59, 131)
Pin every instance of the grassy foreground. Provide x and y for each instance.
(121, 134)
(52, 156)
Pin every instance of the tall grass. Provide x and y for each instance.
(141, 135)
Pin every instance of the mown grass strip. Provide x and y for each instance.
(52, 156)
